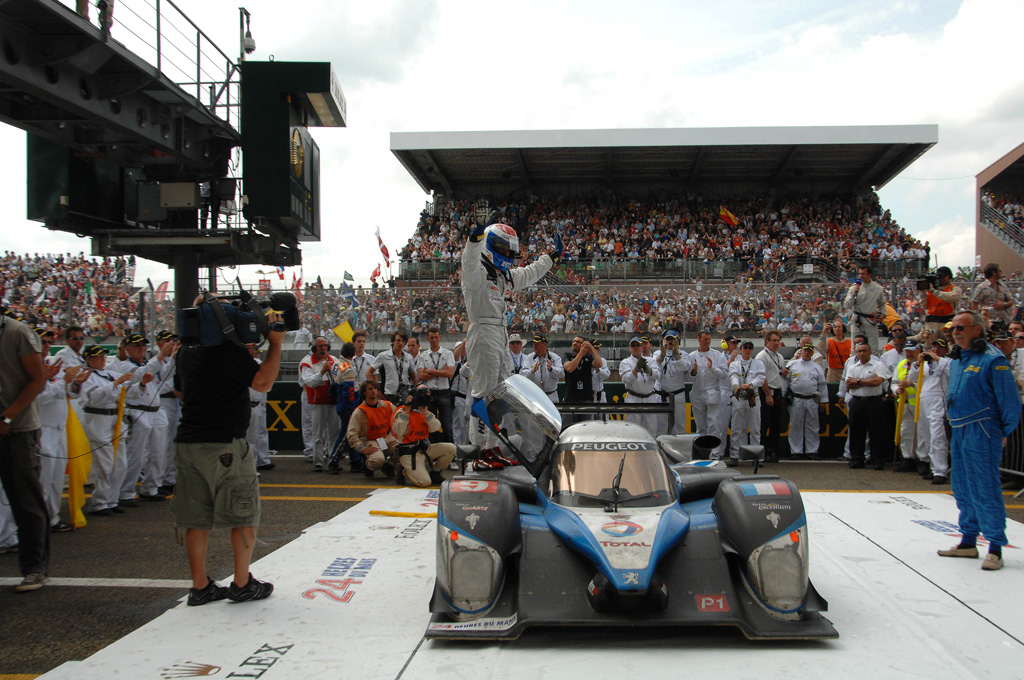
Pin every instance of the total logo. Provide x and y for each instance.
(622, 528)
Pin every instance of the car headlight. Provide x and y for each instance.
(777, 574)
(473, 574)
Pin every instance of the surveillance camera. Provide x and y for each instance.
(248, 43)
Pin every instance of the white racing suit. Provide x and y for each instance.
(806, 382)
(487, 339)
(933, 412)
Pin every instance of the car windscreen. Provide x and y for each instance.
(584, 475)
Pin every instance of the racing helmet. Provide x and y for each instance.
(501, 246)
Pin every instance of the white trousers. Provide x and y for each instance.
(746, 425)
(147, 432)
(803, 427)
(907, 434)
(307, 427)
(256, 435)
(324, 428)
(107, 470)
(53, 463)
(933, 410)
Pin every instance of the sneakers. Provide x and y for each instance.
(494, 455)
(436, 478)
(266, 466)
(939, 479)
(957, 551)
(61, 527)
(388, 469)
(37, 581)
(992, 562)
(318, 468)
(211, 593)
(253, 590)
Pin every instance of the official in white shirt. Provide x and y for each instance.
(806, 384)
(639, 376)
(865, 379)
(545, 367)
(746, 375)
(435, 368)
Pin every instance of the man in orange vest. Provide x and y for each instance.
(941, 301)
(369, 430)
(413, 422)
(837, 349)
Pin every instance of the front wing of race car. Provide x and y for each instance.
(702, 581)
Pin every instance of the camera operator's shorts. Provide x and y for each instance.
(217, 486)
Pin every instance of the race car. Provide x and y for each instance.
(595, 527)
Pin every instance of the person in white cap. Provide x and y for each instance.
(515, 350)
(805, 383)
(639, 376)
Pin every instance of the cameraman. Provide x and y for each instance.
(940, 300)
(412, 424)
(217, 479)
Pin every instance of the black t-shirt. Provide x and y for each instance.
(579, 384)
(214, 385)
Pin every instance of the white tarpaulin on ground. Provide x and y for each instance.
(350, 601)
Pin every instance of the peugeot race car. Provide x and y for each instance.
(594, 527)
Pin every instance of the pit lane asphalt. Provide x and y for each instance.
(41, 630)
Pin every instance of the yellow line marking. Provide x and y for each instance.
(314, 498)
(391, 513)
(1015, 507)
(325, 486)
(18, 676)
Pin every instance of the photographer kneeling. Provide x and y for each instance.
(421, 461)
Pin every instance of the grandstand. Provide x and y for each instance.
(641, 205)
(999, 231)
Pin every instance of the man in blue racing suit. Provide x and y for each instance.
(983, 408)
(488, 278)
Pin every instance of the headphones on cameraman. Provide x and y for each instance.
(312, 345)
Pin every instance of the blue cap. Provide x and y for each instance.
(912, 344)
(636, 340)
(670, 334)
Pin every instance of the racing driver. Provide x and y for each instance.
(488, 278)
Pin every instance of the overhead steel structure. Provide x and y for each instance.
(117, 149)
(720, 160)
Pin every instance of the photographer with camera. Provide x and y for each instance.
(639, 376)
(993, 297)
(934, 389)
(217, 484)
(421, 461)
(369, 431)
(940, 297)
(545, 367)
(746, 375)
(396, 369)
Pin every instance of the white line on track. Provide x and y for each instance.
(108, 582)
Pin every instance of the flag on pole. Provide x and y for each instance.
(344, 331)
(347, 277)
(383, 250)
(297, 286)
(727, 217)
(349, 294)
(280, 273)
(375, 274)
(79, 463)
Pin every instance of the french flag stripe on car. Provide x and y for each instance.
(765, 489)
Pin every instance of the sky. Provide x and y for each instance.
(448, 65)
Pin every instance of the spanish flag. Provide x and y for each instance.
(727, 217)
(79, 462)
(344, 331)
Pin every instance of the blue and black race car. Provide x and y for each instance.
(595, 527)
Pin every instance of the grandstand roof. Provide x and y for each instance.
(467, 164)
